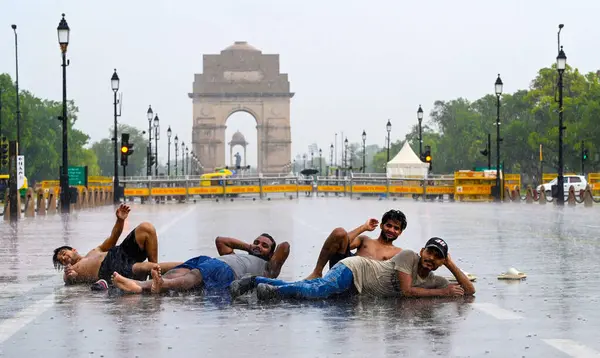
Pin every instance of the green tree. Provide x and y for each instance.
(41, 132)
(104, 151)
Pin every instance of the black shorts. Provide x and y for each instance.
(121, 258)
(337, 257)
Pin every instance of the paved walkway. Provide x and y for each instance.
(552, 314)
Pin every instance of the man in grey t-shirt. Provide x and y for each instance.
(407, 273)
(264, 258)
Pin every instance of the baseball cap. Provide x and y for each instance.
(438, 244)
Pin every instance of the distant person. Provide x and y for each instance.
(265, 258)
(128, 258)
(407, 274)
(238, 159)
(338, 244)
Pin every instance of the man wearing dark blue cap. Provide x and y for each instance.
(407, 274)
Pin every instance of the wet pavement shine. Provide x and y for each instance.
(553, 313)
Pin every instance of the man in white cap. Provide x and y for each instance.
(407, 274)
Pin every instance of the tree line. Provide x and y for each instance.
(456, 130)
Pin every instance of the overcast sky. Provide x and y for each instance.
(352, 64)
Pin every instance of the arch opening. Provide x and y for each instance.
(241, 140)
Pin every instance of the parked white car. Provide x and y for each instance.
(577, 181)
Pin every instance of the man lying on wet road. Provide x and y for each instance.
(264, 258)
(406, 274)
(127, 258)
(339, 243)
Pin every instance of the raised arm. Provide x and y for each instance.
(409, 291)
(461, 278)
(282, 251)
(354, 236)
(226, 245)
(122, 213)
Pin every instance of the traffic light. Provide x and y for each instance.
(427, 154)
(126, 148)
(584, 156)
(3, 152)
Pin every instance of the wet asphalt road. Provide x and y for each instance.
(551, 314)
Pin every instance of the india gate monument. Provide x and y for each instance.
(242, 78)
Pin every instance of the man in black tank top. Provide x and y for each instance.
(264, 257)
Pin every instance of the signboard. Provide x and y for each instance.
(77, 176)
(20, 171)
(205, 190)
(330, 188)
(242, 189)
(168, 191)
(284, 188)
(360, 188)
(406, 189)
(136, 192)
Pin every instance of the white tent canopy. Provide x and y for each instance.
(406, 164)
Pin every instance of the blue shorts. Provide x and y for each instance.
(216, 274)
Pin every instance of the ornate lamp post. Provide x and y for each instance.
(388, 127)
(498, 89)
(63, 40)
(364, 138)
(156, 134)
(176, 147)
(114, 84)
(420, 118)
(561, 65)
(169, 151)
(150, 116)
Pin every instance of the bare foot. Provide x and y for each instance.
(157, 280)
(126, 284)
(313, 275)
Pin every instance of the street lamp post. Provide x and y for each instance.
(187, 159)
(63, 40)
(320, 161)
(561, 64)
(420, 118)
(364, 138)
(114, 84)
(156, 134)
(346, 156)
(14, 27)
(330, 157)
(183, 158)
(169, 151)
(176, 141)
(149, 115)
(304, 157)
(312, 159)
(498, 89)
(388, 127)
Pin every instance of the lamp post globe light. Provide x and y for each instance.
(498, 90)
(182, 157)
(561, 65)
(114, 85)
(149, 116)
(63, 40)
(388, 128)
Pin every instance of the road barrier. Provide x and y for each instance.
(45, 201)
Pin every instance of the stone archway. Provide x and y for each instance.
(242, 78)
